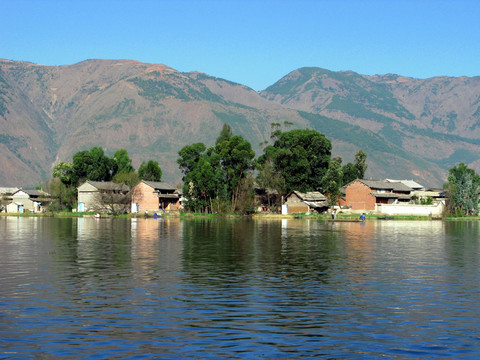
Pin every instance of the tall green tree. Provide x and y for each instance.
(355, 170)
(361, 163)
(93, 165)
(463, 184)
(65, 172)
(236, 158)
(225, 134)
(123, 161)
(332, 181)
(270, 180)
(150, 171)
(189, 157)
(301, 156)
(214, 177)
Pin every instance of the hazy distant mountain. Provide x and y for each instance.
(409, 128)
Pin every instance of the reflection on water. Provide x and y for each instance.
(237, 288)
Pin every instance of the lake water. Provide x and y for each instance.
(238, 289)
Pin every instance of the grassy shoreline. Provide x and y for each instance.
(325, 217)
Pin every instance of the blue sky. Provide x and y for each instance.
(254, 43)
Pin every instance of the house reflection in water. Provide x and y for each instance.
(155, 244)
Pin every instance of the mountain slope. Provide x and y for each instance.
(436, 119)
(47, 113)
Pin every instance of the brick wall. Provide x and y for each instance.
(357, 195)
(146, 198)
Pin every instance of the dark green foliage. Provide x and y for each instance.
(225, 134)
(189, 157)
(150, 171)
(236, 158)
(215, 178)
(332, 181)
(361, 163)
(463, 184)
(65, 195)
(301, 157)
(94, 165)
(350, 173)
(123, 161)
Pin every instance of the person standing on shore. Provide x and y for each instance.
(333, 214)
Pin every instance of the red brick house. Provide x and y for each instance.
(154, 196)
(363, 194)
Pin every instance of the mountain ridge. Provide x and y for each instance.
(47, 113)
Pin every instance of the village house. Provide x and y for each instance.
(363, 194)
(298, 202)
(389, 197)
(103, 196)
(6, 196)
(24, 200)
(154, 196)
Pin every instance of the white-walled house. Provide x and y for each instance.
(27, 201)
(102, 196)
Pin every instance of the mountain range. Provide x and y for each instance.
(410, 128)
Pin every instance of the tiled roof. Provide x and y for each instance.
(410, 183)
(382, 184)
(108, 185)
(311, 196)
(160, 185)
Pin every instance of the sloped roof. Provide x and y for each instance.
(383, 184)
(310, 196)
(8, 190)
(32, 192)
(35, 192)
(107, 185)
(160, 185)
(410, 183)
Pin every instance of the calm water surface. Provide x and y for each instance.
(238, 289)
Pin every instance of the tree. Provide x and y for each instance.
(332, 181)
(66, 195)
(214, 177)
(225, 134)
(236, 159)
(301, 157)
(114, 198)
(350, 173)
(128, 178)
(463, 184)
(123, 161)
(270, 180)
(356, 170)
(66, 173)
(93, 165)
(150, 171)
(189, 157)
(361, 163)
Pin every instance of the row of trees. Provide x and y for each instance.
(221, 178)
(95, 165)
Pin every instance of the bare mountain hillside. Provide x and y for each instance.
(47, 113)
